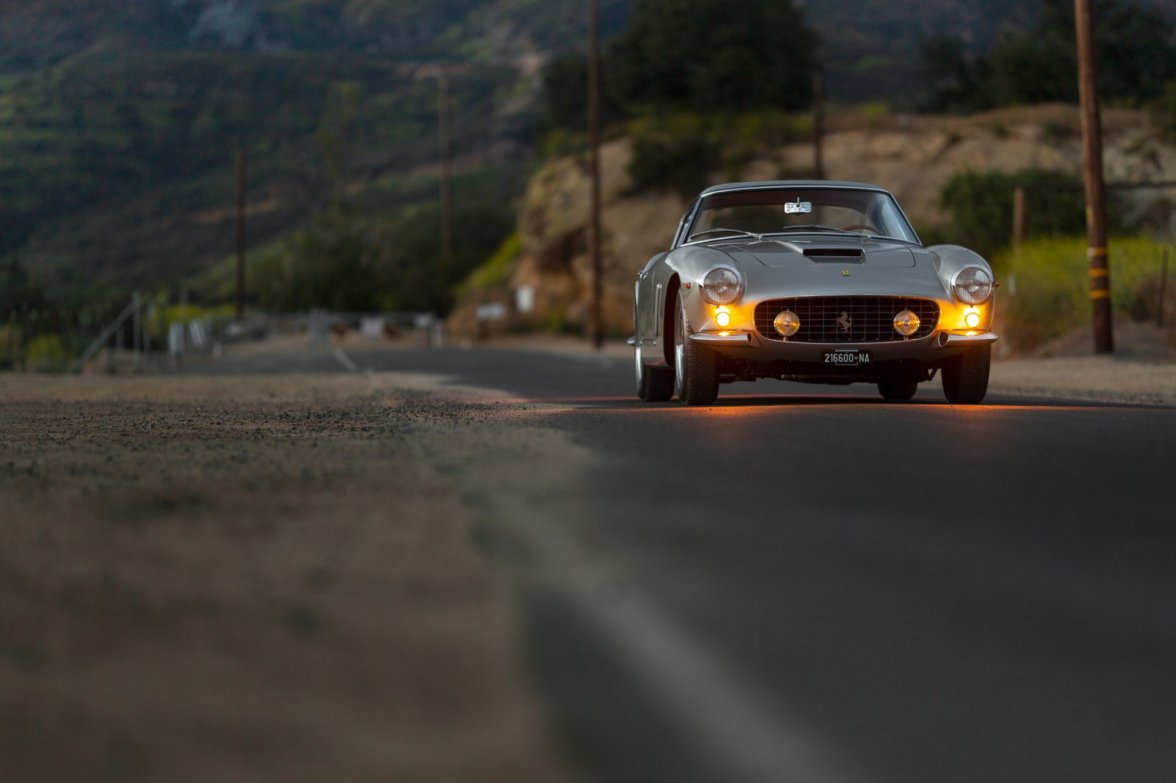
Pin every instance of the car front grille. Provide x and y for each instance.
(846, 319)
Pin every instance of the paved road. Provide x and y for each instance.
(807, 583)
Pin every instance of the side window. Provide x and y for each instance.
(683, 225)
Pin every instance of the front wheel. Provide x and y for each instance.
(965, 376)
(696, 376)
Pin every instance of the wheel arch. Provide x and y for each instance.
(669, 314)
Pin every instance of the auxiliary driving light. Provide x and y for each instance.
(972, 319)
(723, 319)
(906, 323)
(787, 323)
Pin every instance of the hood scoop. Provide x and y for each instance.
(853, 255)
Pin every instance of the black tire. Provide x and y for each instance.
(654, 384)
(965, 377)
(696, 376)
(897, 390)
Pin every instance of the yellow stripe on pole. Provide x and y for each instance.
(1100, 272)
(1096, 252)
(1102, 293)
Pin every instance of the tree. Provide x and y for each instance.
(1163, 112)
(18, 295)
(954, 80)
(698, 55)
(1136, 50)
(694, 55)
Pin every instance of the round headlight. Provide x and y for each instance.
(722, 285)
(973, 285)
(787, 323)
(906, 323)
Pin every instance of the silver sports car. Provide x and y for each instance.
(824, 282)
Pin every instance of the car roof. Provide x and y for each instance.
(789, 183)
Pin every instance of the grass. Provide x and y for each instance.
(1047, 285)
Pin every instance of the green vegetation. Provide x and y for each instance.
(351, 261)
(1052, 286)
(1136, 49)
(496, 271)
(981, 207)
(1163, 112)
(695, 56)
(678, 151)
(119, 124)
(47, 353)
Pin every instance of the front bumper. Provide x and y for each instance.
(749, 346)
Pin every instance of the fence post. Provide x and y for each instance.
(137, 332)
(1018, 219)
(1163, 287)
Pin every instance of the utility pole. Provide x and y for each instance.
(818, 125)
(240, 235)
(1096, 223)
(594, 164)
(446, 150)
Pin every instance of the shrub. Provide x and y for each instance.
(499, 267)
(981, 206)
(675, 153)
(680, 151)
(1163, 112)
(47, 353)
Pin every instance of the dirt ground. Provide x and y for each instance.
(251, 579)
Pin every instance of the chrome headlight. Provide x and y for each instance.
(972, 285)
(722, 285)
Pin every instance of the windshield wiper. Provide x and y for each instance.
(717, 229)
(813, 227)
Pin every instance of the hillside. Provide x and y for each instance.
(119, 119)
(912, 156)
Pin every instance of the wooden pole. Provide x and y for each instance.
(1018, 219)
(818, 125)
(594, 164)
(240, 235)
(446, 151)
(1096, 224)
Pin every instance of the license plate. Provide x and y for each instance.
(852, 358)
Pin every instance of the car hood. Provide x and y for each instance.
(836, 250)
(775, 268)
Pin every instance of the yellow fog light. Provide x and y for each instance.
(972, 319)
(787, 323)
(723, 319)
(906, 323)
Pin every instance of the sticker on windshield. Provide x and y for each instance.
(798, 207)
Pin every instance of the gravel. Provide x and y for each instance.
(252, 578)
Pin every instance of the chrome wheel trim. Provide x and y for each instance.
(680, 353)
(640, 367)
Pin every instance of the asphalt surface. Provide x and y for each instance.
(808, 583)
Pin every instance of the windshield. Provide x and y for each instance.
(798, 210)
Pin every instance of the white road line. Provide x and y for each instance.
(345, 360)
(752, 739)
